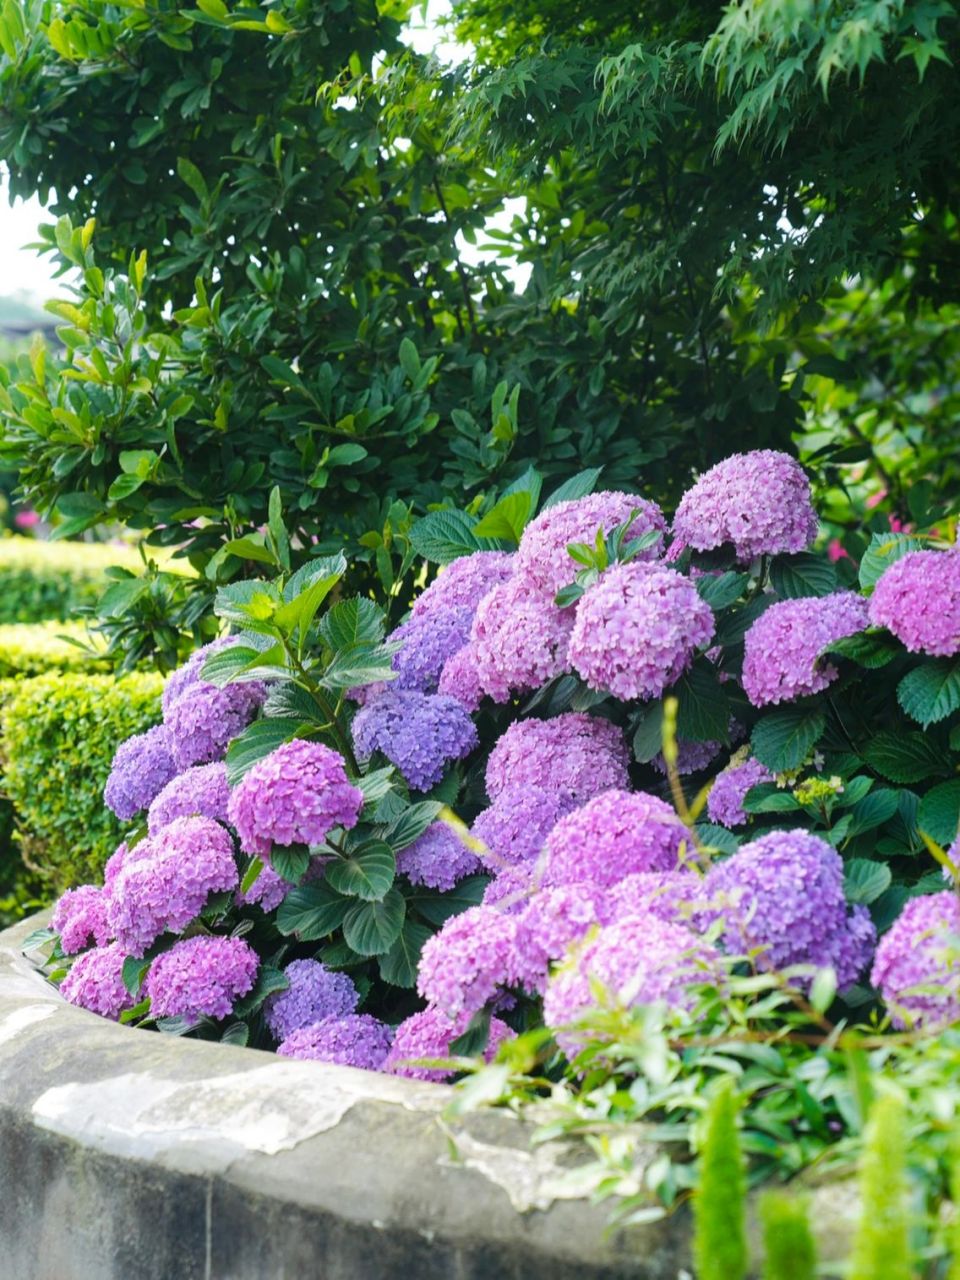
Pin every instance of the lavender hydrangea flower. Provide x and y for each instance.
(782, 652)
(315, 992)
(429, 1034)
(510, 889)
(114, 866)
(80, 917)
(517, 823)
(691, 757)
(668, 895)
(267, 891)
(729, 790)
(460, 679)
(918, 599)
(782, 895)
(95, 982)
(428, 642)
(917, 965)
(295, 795)
(542, 557)
(201, 977)
(636, 960)
(188, 675)
(201, 790)
(204, 719)
(437, 859)
(419, 733)
(614, 835)
(759, 501)
(519, 639)
(165, 881)
(356, 1040)
(471, 959)
(637, 630)
(142, 766)
(575, 754)
(551, 920)
(464, 583)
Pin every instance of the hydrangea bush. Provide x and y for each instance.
(603, 758)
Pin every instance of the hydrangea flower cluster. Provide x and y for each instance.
(917, 965)
(95, 982)
(692, 757)
(80, 917)
(612, 836)
(729, 790)
(783, 648)
(463, 584)
(669, 895)
(542, 556)
(781, 896)
(759, 501)
(419, 733)
(202, 790)
(637, 630)
(295, 795)
(429, 641)
(438, 859)
(460, 678)
(429, 1034)
(471, 959)
(519, 639)
(164, 882)
(918, 599)
(142, 766)
(635, 960)
(354, 1040)
(315, 992)
(551, 921)
(515, 826)
(575, 753)
(201, 977)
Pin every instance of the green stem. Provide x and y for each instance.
(326, 708)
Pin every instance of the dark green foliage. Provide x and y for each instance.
(788, 1246)
(719, 1204)
(880, 1248)
(58, 734)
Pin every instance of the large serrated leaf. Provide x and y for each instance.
(443, 536)
(783, 739)
(931, 692)
(412, 823)
(399, 965)
(312, 912)
(903, 757)
(939, 812)
(367, 873)
(796, 576)
(438, 907)
(257, 741)
(353, 622)
(864, 881)
(371, 928)
(703, 712)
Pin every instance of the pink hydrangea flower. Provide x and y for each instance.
(315, 992)
(460, 678)
(575, 754)
(519, 639)
(918, 599)
(463, 583)
(917, 965)
(729, 790)
(202, 790)
(95, 982)
(429, 1034)
(353, 1040)
(551, 920)
(783, 648)
(80, 917)
(637, 630)
(517, 823)
(200, 977)
(437, 859)
(471, 959)
(612, 836)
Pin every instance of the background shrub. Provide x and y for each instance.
(59, 732)
(32, 648)
(52, 580)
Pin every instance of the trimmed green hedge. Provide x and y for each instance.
(33, 648)
(41, 580)
(58, 734)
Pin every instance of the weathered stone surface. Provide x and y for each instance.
(129, 1156)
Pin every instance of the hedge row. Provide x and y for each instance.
(34, 648)
(52, 580)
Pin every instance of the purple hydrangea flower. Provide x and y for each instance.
(782, 649)
(315, 992)
(204, 719)
(142, 767)
(267, 891)
(551, 920)
(918, 599)
(429, 1034)
(201, 790)
(691, 757)
(460, 678)
(637, 630)
(668, 895)
(464, 583)
(782, 895)
(420, 733)
(95, 982)
(729, 790)
(356, 1040)
(428, 642)
(80, 917)
(759, 501)
(510, 888)
(188, 675)
(201, 977)
(469, 961)
(575, 754)
(437, 859)
(917, 965)
(613, 835)
(295, 795)
(542, 556)
(519, 639)
(114, 866)
(636, 960)
(165, 881)
(517, 823)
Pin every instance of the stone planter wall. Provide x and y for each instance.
(131, 1156)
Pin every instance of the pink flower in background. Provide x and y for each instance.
(26, 519)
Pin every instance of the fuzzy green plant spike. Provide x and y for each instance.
(788, 1248)
(953, 1237)
(719, 1205)
(881, 1247)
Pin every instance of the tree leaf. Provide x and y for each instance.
(578, 486)
(438, 907)
(870, 649)
(703, 713)
(648, 734)
(372, 928)
(873, 811)
(507, 519)
(290, 862)
(412, 823)
(722, 590)
(367, 873)
(443, 536)
(903, 757)
(931, 692)
(783, 739)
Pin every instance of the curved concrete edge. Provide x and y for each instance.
(128, 1154)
